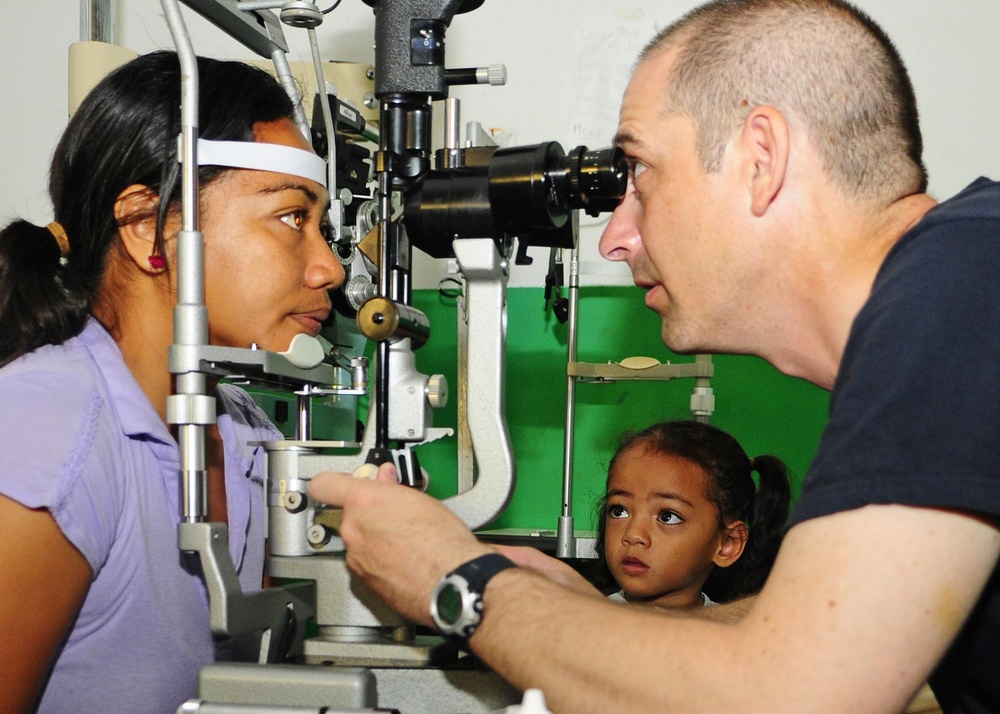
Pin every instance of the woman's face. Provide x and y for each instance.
(662, 532)
(268, 267)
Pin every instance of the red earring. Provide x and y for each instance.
(157, 262)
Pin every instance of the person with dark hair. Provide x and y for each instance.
(682, 524)
(98, 608)
(776, 207)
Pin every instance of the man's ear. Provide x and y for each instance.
(135, 214)
(765, 134)
(733, 540)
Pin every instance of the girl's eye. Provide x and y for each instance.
(294, 219)
(615, 511)
(669, 518)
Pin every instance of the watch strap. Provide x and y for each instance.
(479, 571)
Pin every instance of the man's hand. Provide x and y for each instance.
(555, 570)
(399, 541)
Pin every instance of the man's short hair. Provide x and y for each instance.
(823, 63)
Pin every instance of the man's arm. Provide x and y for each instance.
(859, 608)
(729, 612)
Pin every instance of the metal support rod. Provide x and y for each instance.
(452, 133)
(452, 123)
(303, 403)
(190, 316)
(98, 21)
(702, 397)
(566, 537)
(328, 125)
(284, 72)
(384, 282)
(255, 5)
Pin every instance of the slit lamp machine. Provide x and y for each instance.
(479, 206)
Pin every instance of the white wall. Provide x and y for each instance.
(567, 62)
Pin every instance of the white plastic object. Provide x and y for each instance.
(369, 471)
(305, 351)
(262, 156)
(533, 702)
(639, 362)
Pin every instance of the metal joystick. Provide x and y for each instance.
(382, 319)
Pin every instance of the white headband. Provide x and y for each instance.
(261, 156)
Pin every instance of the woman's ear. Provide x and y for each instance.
(135, 214)
(733, 540)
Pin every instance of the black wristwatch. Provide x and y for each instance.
(457, 600)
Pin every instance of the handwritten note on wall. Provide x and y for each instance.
(605, 51)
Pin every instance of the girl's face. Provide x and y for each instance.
(268, 267)
(662, 533)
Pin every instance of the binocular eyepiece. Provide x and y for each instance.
(526, 192)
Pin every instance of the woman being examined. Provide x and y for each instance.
(99, 610)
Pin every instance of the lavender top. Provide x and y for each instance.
(79, 438)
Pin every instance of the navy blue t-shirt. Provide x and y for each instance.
(915, 409)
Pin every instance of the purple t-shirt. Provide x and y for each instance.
(79, 438)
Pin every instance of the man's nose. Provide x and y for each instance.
(620, 238)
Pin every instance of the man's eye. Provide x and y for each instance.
(295, 219)
(636, 169)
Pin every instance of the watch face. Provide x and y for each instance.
(457, 600)
(449, 604)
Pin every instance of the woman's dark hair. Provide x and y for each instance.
(730, 486)
(124, 133)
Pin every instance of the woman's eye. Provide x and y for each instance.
(294, 219)
(617, 512)
(669, 518)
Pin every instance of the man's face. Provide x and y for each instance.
(675, 225)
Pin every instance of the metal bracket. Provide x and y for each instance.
(258, 30)
(280, 612)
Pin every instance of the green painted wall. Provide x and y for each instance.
(767, 411)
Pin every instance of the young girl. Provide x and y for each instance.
(682, 524)
(98, 608)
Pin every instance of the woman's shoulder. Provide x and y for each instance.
(53, 380)
(62, 364)
(56, 408)
(54, 414)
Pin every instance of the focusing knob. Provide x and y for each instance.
(496, 75)
(437, 390)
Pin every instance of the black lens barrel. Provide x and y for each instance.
(524, 188)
